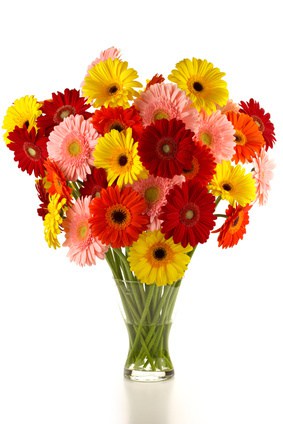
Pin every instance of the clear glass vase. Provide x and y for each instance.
(147, 312)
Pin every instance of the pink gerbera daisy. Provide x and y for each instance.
(154, 190)
(229, 107)
(167, 101)
(110, 53)
(217, 133)
(71, 145)
(83, 247)
(263, 173)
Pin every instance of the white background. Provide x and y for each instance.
(62, 340)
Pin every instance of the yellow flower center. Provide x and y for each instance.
(83, 231)
(166, 148)
(259, 123)
(189, 214)
(32, 152)
(74, 148)
(63, 112)
(151, 194)
(160, 114)
(206, 138)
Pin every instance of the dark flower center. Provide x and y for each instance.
(113, 89)
(159, 253)
(117, 126)
(197, 86)
(191, 172)
(123, 160)
(26, 124)
(240, 138)
(227, 187)
(118, 216)
(235, 222)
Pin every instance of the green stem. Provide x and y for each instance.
(130, 280)
(217, 200)
(150, 339)
(191, 254)
(141, 323)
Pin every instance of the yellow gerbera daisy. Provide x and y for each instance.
(202, 83)
(110, 83)
(53, 221)
(23, 112)
(155, 260)
(233, 184)
(117, 153)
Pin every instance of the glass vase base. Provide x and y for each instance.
(148, 376)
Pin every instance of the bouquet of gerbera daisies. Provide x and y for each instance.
(134, 173)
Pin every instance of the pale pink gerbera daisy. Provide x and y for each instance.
(263, 173)
(83, 247)
(154, 190)
(167, 101)
(71, 145)
(229, 107)
(216, 132)
(110, 53)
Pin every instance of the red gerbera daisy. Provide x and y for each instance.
(248, 138)
(118, 216)
(202, 166)
(94, 183)
(156, 79)
(62, 105)
(234, 227)
(29, 149)
(43, 197)
(117, 118)
(165, 148)
(55, 181)
(262, 119)
(188, 216)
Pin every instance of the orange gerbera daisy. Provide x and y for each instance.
(156, 79)
(248, 137)
(55, 181)
(234, 227)
(118, 216)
